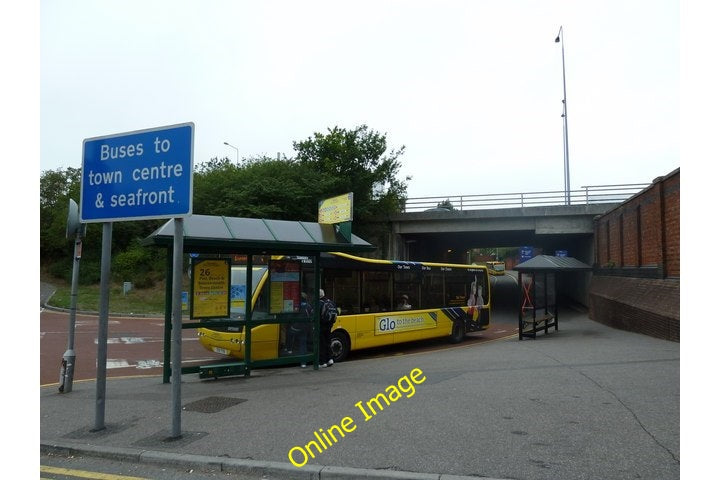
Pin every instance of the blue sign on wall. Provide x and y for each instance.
(561, 253)
(145, 174)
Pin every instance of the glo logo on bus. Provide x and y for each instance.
(386, 324)
(403, 323)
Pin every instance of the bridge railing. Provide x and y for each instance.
(584, 196)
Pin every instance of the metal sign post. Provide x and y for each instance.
(176, 404)
(103, 327)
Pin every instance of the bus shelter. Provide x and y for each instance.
(221, 236)
(538, 285)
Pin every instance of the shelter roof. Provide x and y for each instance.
(220, 234)
(548, 263)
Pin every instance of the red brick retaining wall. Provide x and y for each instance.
(636, 278)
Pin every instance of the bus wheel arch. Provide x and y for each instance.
(339, 345)
(458, 331)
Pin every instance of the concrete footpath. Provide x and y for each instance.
(585, 402)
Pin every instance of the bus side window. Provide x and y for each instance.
(407, 283)
(345, 288)
(484, 289)
(457, 288)
(432, 294)
(376, 291)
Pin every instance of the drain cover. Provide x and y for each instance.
(213, 404)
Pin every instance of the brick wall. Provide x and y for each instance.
(644, 305)
(636, 275)
(643, 233)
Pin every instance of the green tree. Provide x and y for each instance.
(56, 188)
(258, 188)
(214, 187)
(357, 161)
(447, 204)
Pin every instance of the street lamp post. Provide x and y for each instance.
(560, 39)
(237, 153)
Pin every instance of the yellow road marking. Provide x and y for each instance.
(84, 474)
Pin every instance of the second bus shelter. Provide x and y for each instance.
(538, 285)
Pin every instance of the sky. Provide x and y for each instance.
(472, 89)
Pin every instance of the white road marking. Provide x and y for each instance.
(84, 323)
(135, 340)
(146, 364)
(143, 364)
(116, 363)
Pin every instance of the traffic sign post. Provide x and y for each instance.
(140, 175)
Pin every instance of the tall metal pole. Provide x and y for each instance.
(560, 38)
(176, 349)
(103, 326)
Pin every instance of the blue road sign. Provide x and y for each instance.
(145, 174)
(526, 253)
(561, 253)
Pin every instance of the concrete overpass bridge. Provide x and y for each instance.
(446, 228)
(449, 235)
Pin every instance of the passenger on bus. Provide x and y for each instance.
(404, 303)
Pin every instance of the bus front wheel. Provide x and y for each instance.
(458, 332)
(339, 346)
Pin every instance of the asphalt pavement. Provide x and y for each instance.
(585, 402)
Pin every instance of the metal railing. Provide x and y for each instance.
(584, 196)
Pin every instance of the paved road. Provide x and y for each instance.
(135, 346)
(584, 402)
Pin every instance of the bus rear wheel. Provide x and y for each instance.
(339, 346)
(458, 332)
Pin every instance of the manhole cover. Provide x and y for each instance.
(213, 404)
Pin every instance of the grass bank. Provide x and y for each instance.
(137, 301)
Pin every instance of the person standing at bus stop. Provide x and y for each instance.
(328, 315)
(299, 330)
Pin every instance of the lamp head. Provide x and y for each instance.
(557, 39)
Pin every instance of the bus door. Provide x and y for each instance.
(265, 338)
